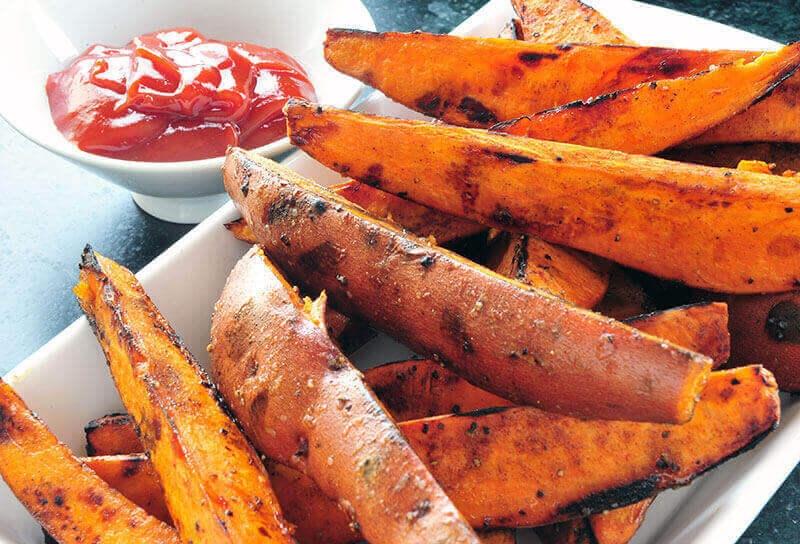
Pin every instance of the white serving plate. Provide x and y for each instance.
(68, 384)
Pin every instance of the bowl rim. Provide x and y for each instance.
(362, 18)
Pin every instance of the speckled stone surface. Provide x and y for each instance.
(51, 208)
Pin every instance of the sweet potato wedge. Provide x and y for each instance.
(785, 156)
(496, 80)
(737, 408)
(303, 404)
(132, 475)
(413, 217)
(618, 526)
(208, 469)
(112, 434)
(565, 21)
(417, 389)
(71, 502)
(774, 119)
(701, 327)
(541, 478)
(574, 276)
(654, 116)
(713, 228)
(513, 340)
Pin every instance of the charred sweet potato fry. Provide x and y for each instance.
(71, 502)
(774, 119)
(713, 228)
(618, 526)
(654, 116)
(785, 156)
(208, 469)
(111, 435)
(303, 404)
(132, 475)
(565, 21)
(700, 327)
(516, 341)
(541, 483)
(423, 388)
(576, 277)
(506, 79)
(413, 217)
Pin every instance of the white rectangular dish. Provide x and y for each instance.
(68, 384)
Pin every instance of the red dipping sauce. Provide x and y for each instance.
(175, 95)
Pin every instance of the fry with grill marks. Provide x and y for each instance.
(506, 337)
(719, 229)
(216, 489)
(653, 116)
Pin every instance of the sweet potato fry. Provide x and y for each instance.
(774, 119)
(505, 79)
(737, 408)
(618, 526)
(423, 388)
(413, 217)
(303, 404)
(131, 474)
(111, 435)
(208, 469)
(540, 479)
(700, 327)
(713, 228)
(71, 502)
(565, 21)
(576, 277)
(518, 342)
(785, 156)
(654, 116)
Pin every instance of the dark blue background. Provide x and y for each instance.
(50, 209)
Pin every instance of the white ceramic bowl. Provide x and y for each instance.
(38, 37)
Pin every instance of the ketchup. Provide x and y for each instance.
(174, 95)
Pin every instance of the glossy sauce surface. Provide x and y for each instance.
(175, 95)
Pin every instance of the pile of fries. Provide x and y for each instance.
(572, 328)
